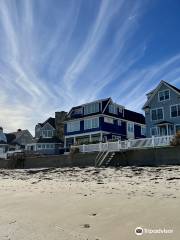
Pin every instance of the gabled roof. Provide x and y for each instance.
(79, 106)
(105, 101)
(50, 120)
(10, 137)
(153, 92)
(13, 137)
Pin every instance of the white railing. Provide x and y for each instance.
(128, 144)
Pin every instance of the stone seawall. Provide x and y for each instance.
(148, 157)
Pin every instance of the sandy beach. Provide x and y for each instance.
(89, 203)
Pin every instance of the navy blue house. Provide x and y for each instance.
(102, 120)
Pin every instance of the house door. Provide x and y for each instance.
(163, 130)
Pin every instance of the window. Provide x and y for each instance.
(73, 126)
(130, 127)
(91, 123)
(175, 110)
(46, 133)
(120, 109)
(91, 108)
(39, 146)
(164, 95)
(143, 130)
(119, 122)
(157, 114)
(154, 131)
(108, 120)
(113, 108)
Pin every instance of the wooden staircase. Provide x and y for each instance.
(104, 158)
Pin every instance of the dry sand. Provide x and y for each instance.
(89, 203)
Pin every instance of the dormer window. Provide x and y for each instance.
(164, 95)
(91, 108)
(113, 108)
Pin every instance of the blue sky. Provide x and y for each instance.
(61, 53)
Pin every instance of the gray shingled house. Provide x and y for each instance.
(162, 110)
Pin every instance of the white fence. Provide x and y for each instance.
(128, 144)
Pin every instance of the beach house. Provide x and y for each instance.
(3, 142)
(162, 110)
(102, 120)
(49, 135)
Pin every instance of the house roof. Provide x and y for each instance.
(105, 101)
(10, 137)
(50, 120)
(175, 88)
(163, 122)
(153, 92)
(134, 116)
(13, 137)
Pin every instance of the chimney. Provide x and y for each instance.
(59, 122)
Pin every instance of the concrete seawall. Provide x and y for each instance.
(148, 157)
(139, 157)
(77, 160)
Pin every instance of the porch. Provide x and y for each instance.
(90, 138)
(164, 128)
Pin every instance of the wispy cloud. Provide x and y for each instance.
(63, 53)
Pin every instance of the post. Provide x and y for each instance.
(153, 142)
(119, 145)
(100, 146)
(101, 136)
(83, 148)
(128, 144)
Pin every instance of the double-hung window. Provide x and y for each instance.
(154, 131)
(175, 110)
(157, 114)
(91, 123)
(143, 130)
(113, 109)
(73, 126)
(91, 108)
(130, 127)
(164, 95)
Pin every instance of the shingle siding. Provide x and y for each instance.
(154, 103)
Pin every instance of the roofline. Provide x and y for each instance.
(102, 115)
(156, 89)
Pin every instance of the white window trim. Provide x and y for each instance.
(119, 122)
(87, 105)
(114, 107)
(91, 119)
(156, 109)
(178, 104)
(156, 131)
(143, 127)
(109, 118)
(132, 123)
(71, 123)
(164, 99)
